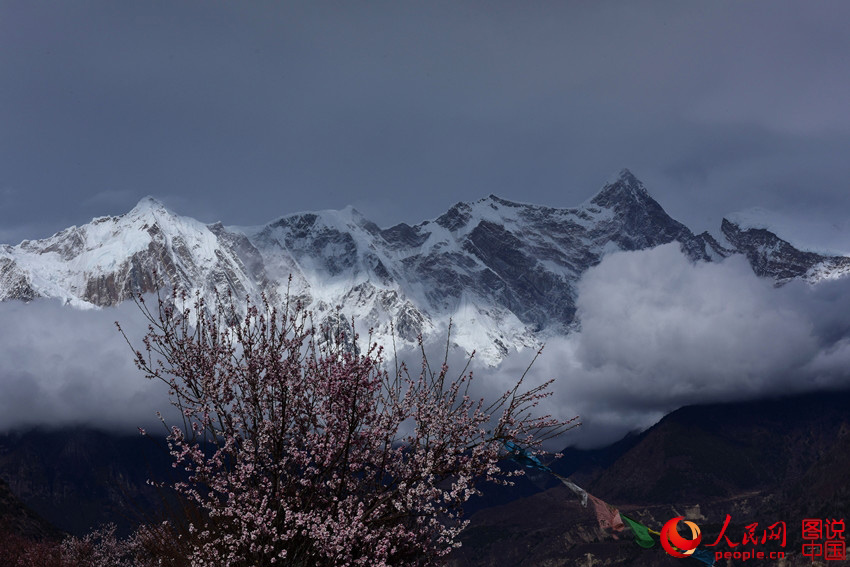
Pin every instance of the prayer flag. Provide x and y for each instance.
(607, 516)
(642, 537)
(523, 457)
(703, 555)
(580, 492)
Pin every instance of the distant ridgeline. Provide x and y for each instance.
(760, 463)
(504, 272)
(77, 478)
(776, 460)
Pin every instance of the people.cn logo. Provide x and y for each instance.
(676, 545)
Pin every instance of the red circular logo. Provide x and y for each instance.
(676, 545)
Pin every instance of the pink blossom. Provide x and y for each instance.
(294, 445)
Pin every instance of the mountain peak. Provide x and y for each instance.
(149, 203)
(350, 212)
(625, 187)
(627, 177)
(504, 202)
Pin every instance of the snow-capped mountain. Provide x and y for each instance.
(770, 256)
(103, 262)
(504, 272)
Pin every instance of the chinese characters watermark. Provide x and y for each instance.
(824, 538)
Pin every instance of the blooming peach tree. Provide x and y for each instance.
(300, 451)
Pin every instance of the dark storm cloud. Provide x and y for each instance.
(241, 113)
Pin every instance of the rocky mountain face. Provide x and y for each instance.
(770, 256)
(17, 518)
(758, 462)
(504, 272)
(78, 478)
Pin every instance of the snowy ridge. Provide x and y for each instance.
(833, 240)
(103, 262)
(503, 272)
(771, 256)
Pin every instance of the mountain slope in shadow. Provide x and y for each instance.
(763, 461)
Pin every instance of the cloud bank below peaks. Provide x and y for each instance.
(61, 366)
(659, 332)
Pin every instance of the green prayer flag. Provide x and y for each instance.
(642, 537)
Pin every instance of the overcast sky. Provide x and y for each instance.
(242, 112)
